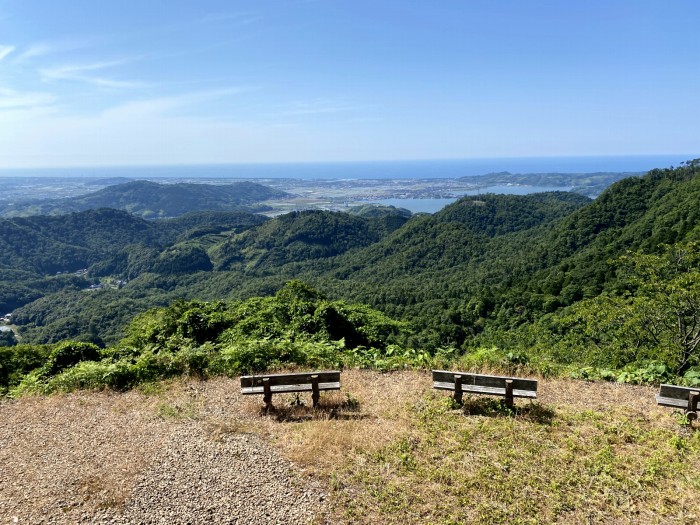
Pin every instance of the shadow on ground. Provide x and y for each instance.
(531, 411)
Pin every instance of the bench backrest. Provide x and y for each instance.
(676, 392)
(324, 376)
(445, 376)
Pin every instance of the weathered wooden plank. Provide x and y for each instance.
(314, 390)
(267, 392)
(671, 402)
(509, 393)
(482, 380)
(458, 388)
(281, 389)
(325, 376)
(488, 390)
(676, 392)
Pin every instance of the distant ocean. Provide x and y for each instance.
(419, 169)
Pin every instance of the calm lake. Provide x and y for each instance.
(435, 205)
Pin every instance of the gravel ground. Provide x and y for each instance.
(130, 458)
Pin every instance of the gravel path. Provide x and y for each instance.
(101, 458)
(237, 479)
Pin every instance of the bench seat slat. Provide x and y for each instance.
(481, 380)
(671, 402)
(676, 392)
(324, 376)
(280, 389)
(494, 391)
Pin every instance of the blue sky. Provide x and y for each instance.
(87, 82)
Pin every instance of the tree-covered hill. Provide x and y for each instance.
(48, 244)
(302, 236)
(69, 242)
(453, 280)
(590, 184)
(633, 214)
(153, 200)
(41, 253)
(495, 215)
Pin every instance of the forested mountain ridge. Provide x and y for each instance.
(48, 244)
(41, 253)
(589, 184)
(633, 214)
(69, 242)
(302, 236)
(495, 215)
(451, 236)
(454, 281)
(153, 200)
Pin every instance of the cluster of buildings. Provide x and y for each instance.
(115, 284)
(4, 320)
(80, 273)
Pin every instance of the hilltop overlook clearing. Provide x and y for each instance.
(385, 449)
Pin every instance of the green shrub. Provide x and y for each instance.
(17, 361)
(264, 354)
(30, 384)
(692, 378)
(68, 354)
(650, 372)
(653, 372)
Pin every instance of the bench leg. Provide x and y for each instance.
(691, 413)
(315, 394)
(458, 389)
(509, 393)
(267, 394)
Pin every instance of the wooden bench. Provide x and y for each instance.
(270, 384)
(507, 387)
(680, 397)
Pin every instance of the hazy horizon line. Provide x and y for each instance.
(685, 156)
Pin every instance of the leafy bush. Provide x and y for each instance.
(650, 372)
(653, 372)
(692, 378)
(17, 361)
(265, 354)
(67, 354)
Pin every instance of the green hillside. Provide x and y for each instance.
(42, 253)
(590, 184)
(302, 236)
(153, 200)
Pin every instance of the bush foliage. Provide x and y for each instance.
(297, 327)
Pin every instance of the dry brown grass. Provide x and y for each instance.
(583, 453)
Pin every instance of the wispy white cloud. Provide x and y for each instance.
(314, 107)
(163, 105)
(241, 18)
(35, 50)
(11, 99)
(127, 135)
(40, 49)
(5, 50)
(81, 73)
(68, 71)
